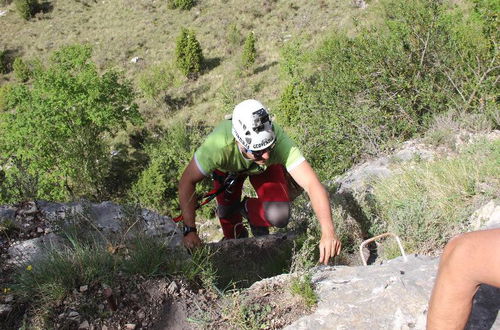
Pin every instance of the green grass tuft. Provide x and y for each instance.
(303, 287)
(148, 256)
(47, 281)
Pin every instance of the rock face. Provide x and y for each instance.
(393, 295)
(353, 190)
(488, 216)
(106, 217)
(244, 261)
(32, 249)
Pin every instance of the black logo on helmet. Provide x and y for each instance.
(263, 143)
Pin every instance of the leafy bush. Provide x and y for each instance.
(156, 81)
(22, 70)
(156, 187)
(26, 8)
(189, 56)
(181, 4)
(249, 51)
(384, 84)
(55, 133)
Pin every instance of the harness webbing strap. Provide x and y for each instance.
(211, 194)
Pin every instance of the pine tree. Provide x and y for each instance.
(249, 51)
(189, 56)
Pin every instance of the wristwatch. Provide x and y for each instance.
(186, 230)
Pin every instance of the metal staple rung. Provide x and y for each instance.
(378, 237)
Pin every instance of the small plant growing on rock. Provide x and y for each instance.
(189, 56)
(27, 8)
(303, 287)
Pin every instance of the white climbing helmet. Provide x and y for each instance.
(252, 126)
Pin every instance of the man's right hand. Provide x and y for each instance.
(191, 240)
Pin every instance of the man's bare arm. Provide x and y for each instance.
(187, 199)
(305, 176)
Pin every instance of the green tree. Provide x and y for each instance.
(249, 51)
(53, 132)
(156, 187)
(189, 56)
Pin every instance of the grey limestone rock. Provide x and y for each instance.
(33, 249)
(393, 295)
(486, 217)
(7, 213)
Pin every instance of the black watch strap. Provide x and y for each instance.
(187, 229)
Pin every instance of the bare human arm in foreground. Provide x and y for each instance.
(329, 245)
(468, 260)
(187, 199)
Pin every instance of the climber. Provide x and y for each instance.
(468, 260)
(251, 145)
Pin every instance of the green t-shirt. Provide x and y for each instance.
(220, 151)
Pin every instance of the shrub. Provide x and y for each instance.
(288, 107)
(189, 56)
(22, 70)
(55, 133)
(233, 36)
(156, 187)
(363, 93)
(181, 4)
(26, 8)
(156, 81)
(249, 51)
(4, 94)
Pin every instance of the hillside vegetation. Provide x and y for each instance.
(360, 79)
(80, 118)
(107, 100)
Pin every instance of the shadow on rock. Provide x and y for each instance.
(241, 262)
(485, 308)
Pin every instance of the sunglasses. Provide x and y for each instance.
(259, 153)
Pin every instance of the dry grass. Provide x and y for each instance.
(429, 202)
(120, 30)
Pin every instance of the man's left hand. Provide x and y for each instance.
(329, 246)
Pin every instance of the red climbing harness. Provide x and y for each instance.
(226, 185)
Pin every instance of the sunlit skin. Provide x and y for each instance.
(260, 160)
